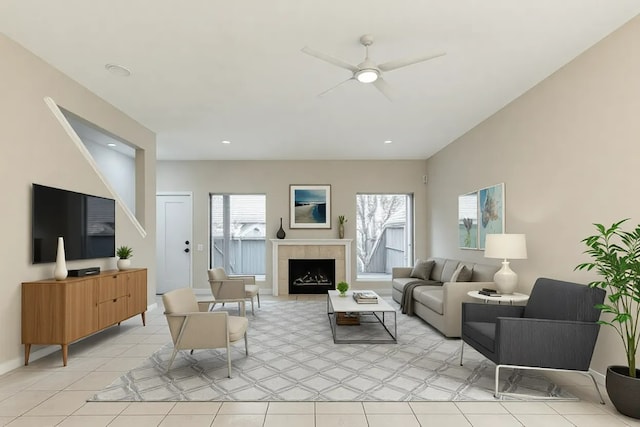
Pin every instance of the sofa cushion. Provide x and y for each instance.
(436, 271)
(400, 282)
(450, 267)
(430, 296)
(462, 274)
(422, 269)
(483, 273)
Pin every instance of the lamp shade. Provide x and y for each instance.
(506, 246)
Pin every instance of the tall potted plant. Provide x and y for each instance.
(615, 256)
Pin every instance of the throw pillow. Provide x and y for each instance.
(462, 274)
(422, 269)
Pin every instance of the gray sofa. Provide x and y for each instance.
(437, 300)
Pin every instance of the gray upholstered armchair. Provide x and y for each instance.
(556, 330)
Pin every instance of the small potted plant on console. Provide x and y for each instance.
(124, 254)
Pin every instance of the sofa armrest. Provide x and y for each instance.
(401, 272)
(454, 294)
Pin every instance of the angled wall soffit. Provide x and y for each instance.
(59, 115)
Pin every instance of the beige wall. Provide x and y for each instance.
(273, 178)
(35, 148)
(568, 154)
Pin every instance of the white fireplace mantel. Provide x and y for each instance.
(277, 243)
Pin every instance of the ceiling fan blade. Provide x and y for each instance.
(384, 87)
(330, 59)
(332, 88)
(394, 65)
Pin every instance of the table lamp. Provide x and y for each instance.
(512, 246)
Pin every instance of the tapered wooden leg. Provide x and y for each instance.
(27, 350)
(65, 353)
(144, 319)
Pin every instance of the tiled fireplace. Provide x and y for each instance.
(311, 276)
(311, 249)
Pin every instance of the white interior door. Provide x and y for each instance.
(174, 241)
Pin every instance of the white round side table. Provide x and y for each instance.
(499, 298)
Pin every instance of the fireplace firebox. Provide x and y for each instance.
(312, 276)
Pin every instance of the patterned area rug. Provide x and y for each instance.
(292, 357)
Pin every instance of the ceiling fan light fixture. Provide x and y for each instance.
(367, 76)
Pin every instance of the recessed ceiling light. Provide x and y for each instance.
(118, 70)
(111, 144)
(226, 142)
(388, 141)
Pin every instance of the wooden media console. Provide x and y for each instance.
(61, 312)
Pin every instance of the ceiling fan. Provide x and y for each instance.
(368, 71)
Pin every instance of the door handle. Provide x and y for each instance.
(187, 250)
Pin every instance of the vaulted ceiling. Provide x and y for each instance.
(207, 71)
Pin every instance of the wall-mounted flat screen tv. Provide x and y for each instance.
(87, 224)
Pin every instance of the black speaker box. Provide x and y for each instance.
(84, 272)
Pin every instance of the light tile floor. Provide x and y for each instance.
(47, 394)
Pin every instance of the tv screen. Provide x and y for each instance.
(87, 224)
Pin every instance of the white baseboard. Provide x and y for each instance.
(17, 362)
(44, 351)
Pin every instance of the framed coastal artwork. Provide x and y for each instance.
(468, 221)
(310, 206)
(490, 212)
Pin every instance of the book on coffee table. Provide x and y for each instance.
(365, 297)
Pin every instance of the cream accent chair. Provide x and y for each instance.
(228, 291)
(192, 326)
(250, 287)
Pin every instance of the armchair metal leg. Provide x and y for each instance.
(595, 384)
(258, 295)
(228, 360)
(461, 350)
(246, 344)
(498, 395)
(173, 356)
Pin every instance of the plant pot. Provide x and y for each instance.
(341, 231)
(123, 264)
(623, 390)
(342, 294)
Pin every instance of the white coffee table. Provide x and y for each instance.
(376, 312)
(499, 298)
